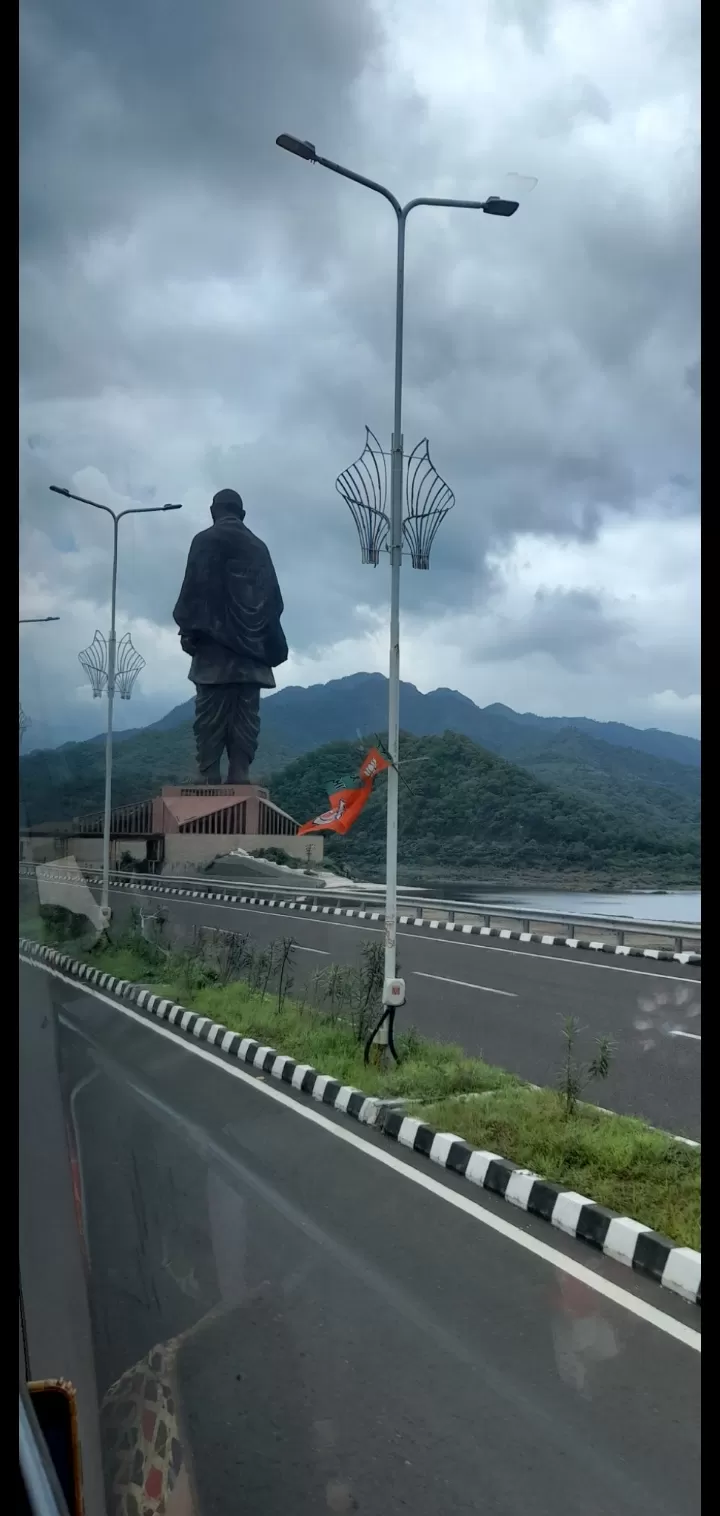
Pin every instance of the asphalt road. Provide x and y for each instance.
(507, 1002)
(55, 1325)
(374, 1348)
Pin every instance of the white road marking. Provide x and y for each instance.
(323, 952)
(446, 941)
(465, 984)
(696, 1036)
(634, 1304)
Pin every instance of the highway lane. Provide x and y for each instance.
(372, 1348)
(507, 1001)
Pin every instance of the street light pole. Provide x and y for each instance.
(107, 812)
(494, 205)
(393, 779)
(117, 517)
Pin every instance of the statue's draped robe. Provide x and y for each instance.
(229, 613)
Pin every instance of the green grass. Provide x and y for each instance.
(614, 1160)
(428, 1071)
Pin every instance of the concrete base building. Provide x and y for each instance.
(183, 827)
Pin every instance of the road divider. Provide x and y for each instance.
(273, 902)
(620, 1237)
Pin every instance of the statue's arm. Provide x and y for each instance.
(182, 613)
(276, 596)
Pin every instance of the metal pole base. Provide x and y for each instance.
(382, 1038)
(106, 914)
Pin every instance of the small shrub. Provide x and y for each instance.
(231, 954)
(189, 966)
(62, 925)
(140, 935)
(575, 1077)
(285, 977)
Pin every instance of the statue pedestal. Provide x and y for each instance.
(237, 810)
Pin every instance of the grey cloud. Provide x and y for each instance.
(571, 626)
(532, 16)
(551, 359)
(563, 109)
(175, 98)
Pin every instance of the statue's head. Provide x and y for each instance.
(227, 503)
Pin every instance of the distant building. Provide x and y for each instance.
(184, 826)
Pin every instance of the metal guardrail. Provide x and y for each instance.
(424, 908)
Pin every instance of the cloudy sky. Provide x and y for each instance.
(201, 310)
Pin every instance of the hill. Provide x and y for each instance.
(469, 810)
(646, 790)
(650, 739)
(639, 790)
(61, 783)
(335, 711)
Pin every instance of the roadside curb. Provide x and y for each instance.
(661, 955)
(618, 1237)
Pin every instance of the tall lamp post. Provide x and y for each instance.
(394, 988)
(117, 516)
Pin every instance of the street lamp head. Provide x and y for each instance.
(58, 490)
(495, 206)
(304, 150)
(172, 507)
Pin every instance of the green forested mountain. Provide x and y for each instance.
(642, 795)
(463, 808)
(646, 790)
(58, 784)
(334, 711)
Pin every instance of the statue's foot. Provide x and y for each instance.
(238, 773)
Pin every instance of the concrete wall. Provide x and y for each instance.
(181, 850)
(38, 850)
(85, 849)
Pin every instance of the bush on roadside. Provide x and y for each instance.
(61, 925)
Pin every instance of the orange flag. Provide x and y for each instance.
(373, 764)
(345, 807)
(346, 804)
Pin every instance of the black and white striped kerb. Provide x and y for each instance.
(619, 1237)
(661, 955)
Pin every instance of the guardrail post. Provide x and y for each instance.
(570, 929)
(678, 944)
(526, 926)
(486, 920)
(621, 938)
(451, 915)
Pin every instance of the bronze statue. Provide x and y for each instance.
(229, 618)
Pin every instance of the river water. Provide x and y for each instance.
(640, 905)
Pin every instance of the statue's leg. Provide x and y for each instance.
(243, 731)
(210, 726)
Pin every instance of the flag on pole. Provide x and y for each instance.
(347, 803)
